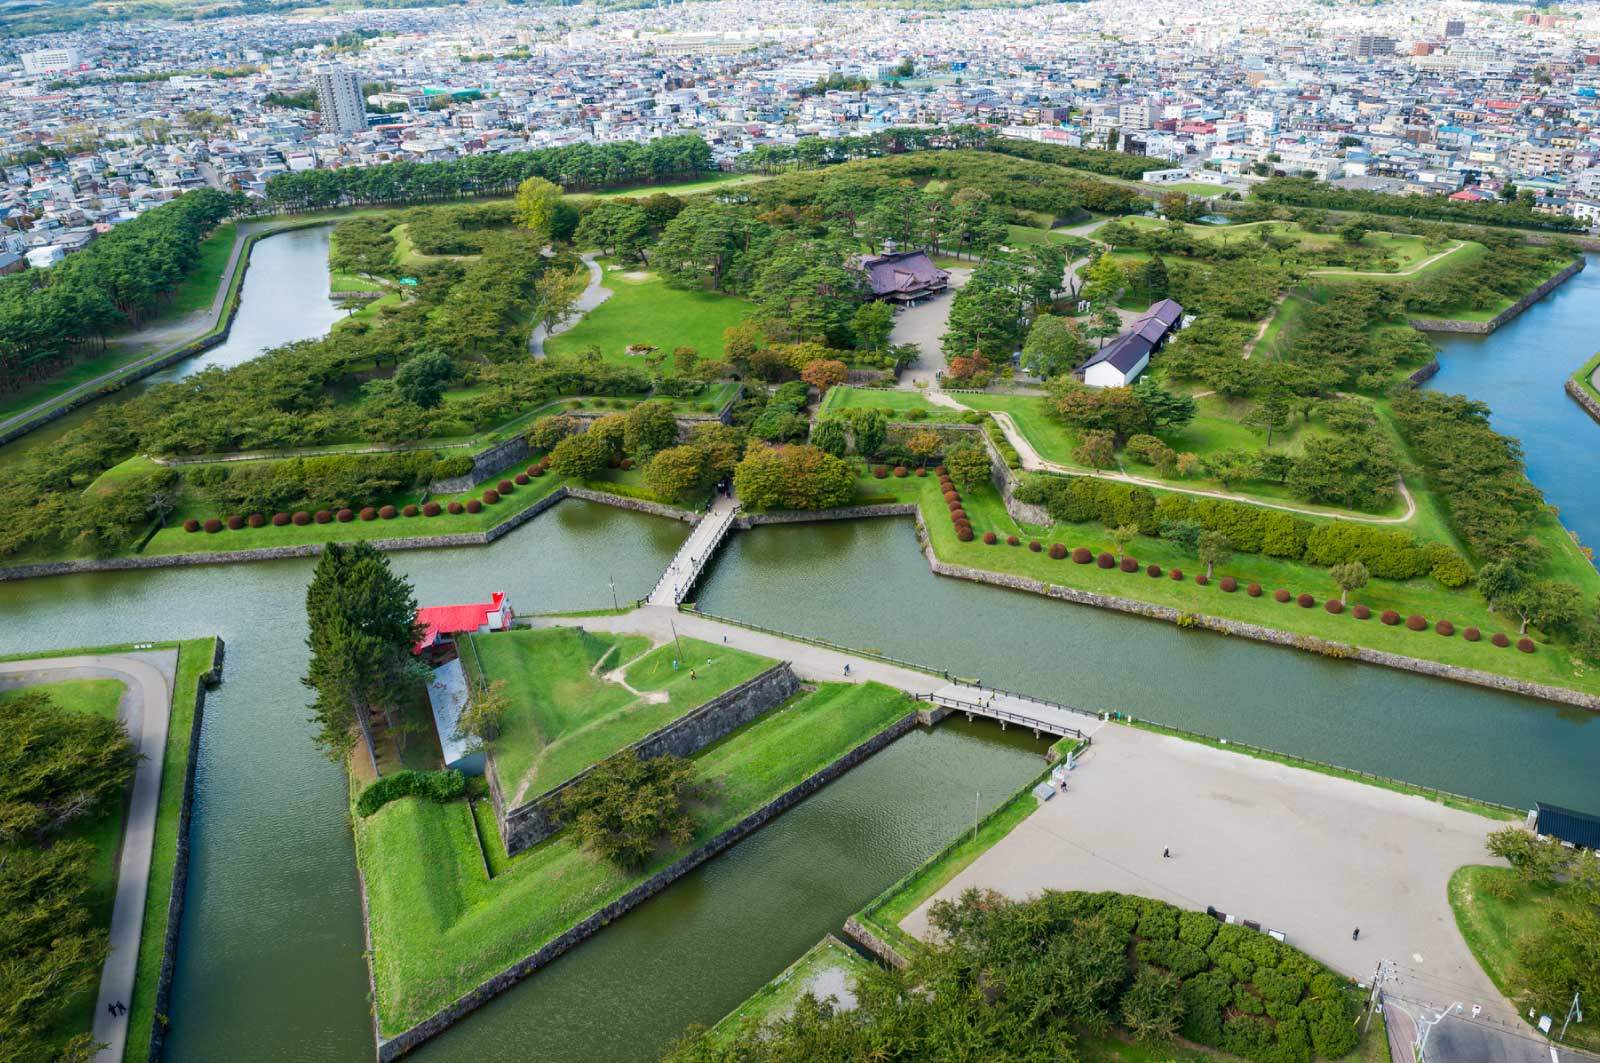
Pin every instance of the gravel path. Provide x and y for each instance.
(145, 710)
(592, 296)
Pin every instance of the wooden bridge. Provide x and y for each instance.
(1007, 707)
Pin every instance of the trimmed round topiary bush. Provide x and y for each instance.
(625, 464)
(964, 533)
(301, 518)
(1035, 545)
(387, 513)
(1082, 555)
(1105, 560)
(940, 471)
(491, 497)
(505, 487)
(1390, 617)
(1057, 552)
(1153, 571)
(1200, 578)
(255, 520)
(368, 513)
(533, 470)
(958, 514)
(901, 471)
(1499, 639)
(191, 525)
(1445, 628)
(1416, 622)
(1012, 540)
(1254, 590)
(430, 509)
(990, 538)
(280, 519)
(951, 496)
(1306, 601)
(537, 470)
(235, 522)
(1525, 644)
(1228, 584)
(212, 525)
(1129, 565)
(521, 478)
(474, 506)
(1334, 606)
(345, 516)
(1281, 595)
(1177, 574)
(322, 516)
(1472, 634)
(409, 511)
(921, 471)
(1362, 612)
(880, 471)
(456, 507)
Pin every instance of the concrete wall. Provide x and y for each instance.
(485, 464)
(180, 865)
(531, 823)
(394, 1047)
(1483, 328)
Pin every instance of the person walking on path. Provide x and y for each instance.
(1355, 935)
(1166, 854)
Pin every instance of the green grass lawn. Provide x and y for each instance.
(440, 927)
(1463, 607)
(1492, 925)
(103, 833)
(828, 964)
(644, 309)
(1585, 376)
(198, 289)
(714, 183)
(894, 404)
(565, 715)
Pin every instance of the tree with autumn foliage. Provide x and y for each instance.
(824, 373)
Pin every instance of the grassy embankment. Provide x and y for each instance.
(194, 661)
(644, 309)
(568, 712)
(440, 926)
(1585, 377)
(824, 970)
(1495, 908)
(1423, 596)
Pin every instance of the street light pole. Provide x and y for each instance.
(1574, 1010)
(613, 584)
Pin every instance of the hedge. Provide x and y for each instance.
(439, 786)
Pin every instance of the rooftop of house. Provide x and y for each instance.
(437, 620)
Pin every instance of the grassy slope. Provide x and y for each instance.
(95, 697)
(565, 717)
(645, 309)
(776, 999)
(1492, 927)
(1424, 596)
(439, 927)
(1585, 376)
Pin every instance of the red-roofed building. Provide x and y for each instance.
(443, 622)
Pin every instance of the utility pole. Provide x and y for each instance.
(675, 641)
(613, 583)
(1377, 989)
(976, 794)
(1575, 1010)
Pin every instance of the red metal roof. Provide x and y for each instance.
(454, 619)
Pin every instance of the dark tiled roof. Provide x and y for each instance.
(1123, 352)
(904, 271)
(1579, 828)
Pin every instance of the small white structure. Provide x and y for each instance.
(45, 257)
(1121, 361)
(448, 696)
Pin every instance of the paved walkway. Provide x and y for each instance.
(695, 553)
(145, 710)
(1031, 461)
(592, 296)
(1308, 854)
(925, 325)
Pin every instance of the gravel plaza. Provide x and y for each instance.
(1297, 851)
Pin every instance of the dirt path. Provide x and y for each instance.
(592, 296)
(1032, 461)
(1424, 264)
(145, 710)
(1266, 323)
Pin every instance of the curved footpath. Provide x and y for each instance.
(592, 296)
(145, 710)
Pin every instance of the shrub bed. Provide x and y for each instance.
(1306, 601)
(191, 525)
(921, 471)
(964, 533)
(990, 538)
(1035, 545)
(1012, 540)
(1177, 574)
(505, 487)
(1153, 571)
(235, 522)
(322, 516)
(474, 506)
(256, 520)
(1390, 617)
(1201, 578)
(1525, 644)
(280, 519)
(388, 512)
(440, 786)
(212, 525)
(1254, 590)
(345, 516)
(409, 511)
(368, 513)
(880, 471)
(521, 479)
(1129, 565)
(456, 507)
(901, 471)
(491, 497)
(1472, 634)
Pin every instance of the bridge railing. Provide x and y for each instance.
(1038, 701)
(1007, 715)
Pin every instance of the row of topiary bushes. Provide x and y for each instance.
(952, 499)
(1228, 584)
(301, 518)
(440, 786)
(882, 472)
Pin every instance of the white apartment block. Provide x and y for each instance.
(51, 60)
(339, 99)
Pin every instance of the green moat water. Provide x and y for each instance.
(271, 955)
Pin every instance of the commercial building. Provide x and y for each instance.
(1372, 46)
(51, 60)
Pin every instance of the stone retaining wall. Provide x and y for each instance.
(1483, 328)
(638, 505)
(531, 823)
(485, 464)
(887, 509)
(180, 862)
(857, 930)
(1581, 396)
(394, 1047)
(1423, 375)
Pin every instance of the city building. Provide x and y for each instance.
(51, 60)
(339, 100)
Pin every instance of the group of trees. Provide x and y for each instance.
(793, 476)
(363, 627)
(57, 769)
(1181, 518)
(47, 317)
(575, 168)
(628, 806)
(1306, 192)
(1560, 957)
(989, 315)
(1024, 979)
